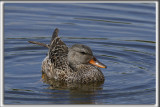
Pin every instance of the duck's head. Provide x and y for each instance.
(82, 54)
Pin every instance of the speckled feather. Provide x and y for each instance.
(58, 52)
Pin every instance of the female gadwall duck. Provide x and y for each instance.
(75, 64)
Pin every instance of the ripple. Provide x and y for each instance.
(121, 36)
(101, 20)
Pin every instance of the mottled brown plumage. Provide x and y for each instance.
(76, 64)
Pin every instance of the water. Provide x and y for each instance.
(121, 35)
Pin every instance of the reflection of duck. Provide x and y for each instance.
(76, 93)
(75, 64)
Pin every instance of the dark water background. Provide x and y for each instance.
(121, 35)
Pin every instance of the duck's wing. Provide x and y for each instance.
(58, 51)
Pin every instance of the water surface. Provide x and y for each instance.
(121, 35)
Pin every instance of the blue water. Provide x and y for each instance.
(121, 35)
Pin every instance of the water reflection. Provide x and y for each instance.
(78, 93)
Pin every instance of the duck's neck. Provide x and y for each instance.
(73, 66)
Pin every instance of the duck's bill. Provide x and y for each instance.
(95, 62)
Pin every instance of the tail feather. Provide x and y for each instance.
(55, 34)
(38, 43)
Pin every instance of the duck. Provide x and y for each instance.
(76, 64)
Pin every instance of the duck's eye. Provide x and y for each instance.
(83, 53)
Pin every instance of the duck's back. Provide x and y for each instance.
(55, 65)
